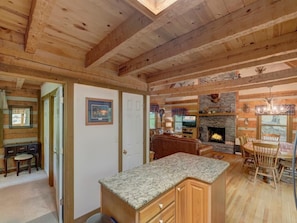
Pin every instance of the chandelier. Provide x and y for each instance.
(270, 109)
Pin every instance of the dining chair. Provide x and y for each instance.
(285, 166)
(247, 158)
(271, 137)
(266, 160)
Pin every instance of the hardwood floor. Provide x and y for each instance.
(249, 202)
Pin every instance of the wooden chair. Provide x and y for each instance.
(271, 137)
(247, 158)
(285, 167)
(266, 160)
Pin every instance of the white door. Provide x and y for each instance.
(58, 151)
(132, 130)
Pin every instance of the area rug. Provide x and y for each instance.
(47, 218)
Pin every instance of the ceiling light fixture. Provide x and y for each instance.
(271, 109)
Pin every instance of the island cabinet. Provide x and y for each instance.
(181, 202)
(160, 210)
(180, 188)
(191, 201)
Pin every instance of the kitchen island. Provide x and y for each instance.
(181, 188)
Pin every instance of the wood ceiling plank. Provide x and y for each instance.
(142, 25)
(39, 14)
(239, 58)
(11, 85)
(257, 16)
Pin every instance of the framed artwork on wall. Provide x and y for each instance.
(99, 111)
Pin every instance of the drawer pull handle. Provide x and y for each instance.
(161, 206)
(178, 189)
(161, 221)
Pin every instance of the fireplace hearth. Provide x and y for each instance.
(216, 134)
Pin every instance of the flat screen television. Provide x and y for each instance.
(189, 121)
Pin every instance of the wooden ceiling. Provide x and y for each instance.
(119, 43)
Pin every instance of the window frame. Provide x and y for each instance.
(288, 127)
(181, 123)
(155, 120)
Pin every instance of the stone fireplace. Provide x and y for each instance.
(221, 122)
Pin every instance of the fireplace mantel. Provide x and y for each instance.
(217, 114)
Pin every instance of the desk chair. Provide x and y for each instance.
(266, 160)
(23, 157)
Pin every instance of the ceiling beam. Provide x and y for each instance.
(282, 48)
(132, 29)
(264, 79)
(39, 14)
(113, 42)
(254, 17)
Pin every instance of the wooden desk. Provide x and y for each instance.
(285, 150)
(11, 150)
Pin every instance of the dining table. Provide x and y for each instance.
(285, 148)
(285, 152)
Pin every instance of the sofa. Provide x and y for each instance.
(164, 145)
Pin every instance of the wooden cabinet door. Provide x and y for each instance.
(181, 203)
(198, 202)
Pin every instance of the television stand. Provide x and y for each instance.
(190, 133)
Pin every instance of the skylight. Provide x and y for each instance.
(156, 6)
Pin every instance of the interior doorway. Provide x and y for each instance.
(52, 112)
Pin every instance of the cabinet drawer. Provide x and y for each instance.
(21, 149)
(10, 152)
(32, 148)
(166, 216)
(157, 206)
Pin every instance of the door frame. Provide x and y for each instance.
(68, 179)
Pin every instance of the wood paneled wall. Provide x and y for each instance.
(20, 97)
(250, 101)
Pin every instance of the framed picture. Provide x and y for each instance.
(99, 111)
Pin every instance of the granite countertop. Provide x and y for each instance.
(142, 184)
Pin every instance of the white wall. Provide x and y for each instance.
(46, 136)
(95, 149)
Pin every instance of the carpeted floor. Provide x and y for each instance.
(47, 218)
(27, 198)
(24, 177)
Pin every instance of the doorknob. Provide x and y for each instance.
(125, 152)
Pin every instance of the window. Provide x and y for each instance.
(276, 124)
(178, 123)
(152, 120)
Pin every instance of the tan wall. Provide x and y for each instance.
(23, 97)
